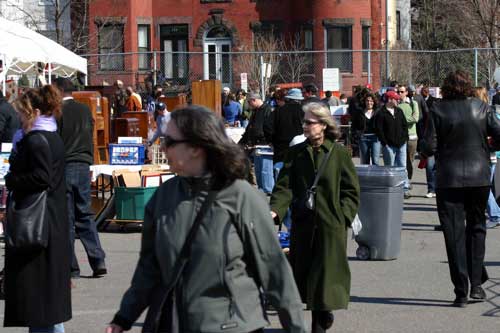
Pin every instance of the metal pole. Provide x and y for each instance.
(155, 68)
(475, 67)
(387, 68)
(262, 79)
(369, 67)
(50, 73)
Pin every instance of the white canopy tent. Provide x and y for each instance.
(21, 49)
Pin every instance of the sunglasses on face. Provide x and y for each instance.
(402, 91)
(310, 122)
(168, 141)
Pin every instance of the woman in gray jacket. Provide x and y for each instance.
(235, 254)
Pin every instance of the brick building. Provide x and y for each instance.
(170, 26)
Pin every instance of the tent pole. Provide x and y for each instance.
(4, 75)
(50, 74)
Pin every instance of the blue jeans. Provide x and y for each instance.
(394, 156)
(263, 163)
(369, 148)
(57, 328)
(287, 220)
(80, 215)
(492, 209)
(430, 173)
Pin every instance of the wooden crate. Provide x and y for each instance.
(207, 93)
(174, 101)
(143, 118)
(99, 107)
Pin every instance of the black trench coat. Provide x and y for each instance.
(37, 285)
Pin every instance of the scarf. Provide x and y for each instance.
(41, 123)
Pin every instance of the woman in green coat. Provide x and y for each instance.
(319, 236)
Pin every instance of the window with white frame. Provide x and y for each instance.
(365, 41)
(143, 45)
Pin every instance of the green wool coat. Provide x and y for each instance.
(318, 244)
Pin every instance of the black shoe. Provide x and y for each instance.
(328, 320)
(100, 270)
(477, 293)
(75, 274)
(460, 302)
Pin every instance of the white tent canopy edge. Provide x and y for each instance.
(21, 49)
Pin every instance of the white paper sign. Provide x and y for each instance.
(244, 81)
(331, 79)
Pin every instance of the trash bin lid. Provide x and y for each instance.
(380, 176)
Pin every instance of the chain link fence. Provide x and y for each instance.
(176, 70)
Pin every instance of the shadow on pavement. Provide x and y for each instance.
(493, 296)
(418, 225)
(430, 204)
(492, 263)
(266, 330)
(402, 301)
(419, 209)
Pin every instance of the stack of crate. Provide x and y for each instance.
(158, 156)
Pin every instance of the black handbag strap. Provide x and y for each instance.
(321, 169)
(183, 258)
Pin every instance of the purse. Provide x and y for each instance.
(26, 227)
(163, 313)
(303, 208)
(26, 222)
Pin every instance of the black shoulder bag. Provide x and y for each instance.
(163, 316)
(302, 208)
(26, 228)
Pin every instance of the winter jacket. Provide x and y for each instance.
(37, 285)
(286, 124)
(391, 130)
(318, 249)
(457, 135)
(9, 121)
(259, 129)
(76, 130)
(235, 253)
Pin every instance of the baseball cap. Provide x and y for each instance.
(392, 94)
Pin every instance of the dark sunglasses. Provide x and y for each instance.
(402, 91)
(169, 141)
(310, 122)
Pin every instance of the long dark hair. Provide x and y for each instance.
(226, 161)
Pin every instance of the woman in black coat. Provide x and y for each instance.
(457, 134)
(37, 284)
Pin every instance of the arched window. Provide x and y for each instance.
(218, 32)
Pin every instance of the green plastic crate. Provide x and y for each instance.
(130, 202)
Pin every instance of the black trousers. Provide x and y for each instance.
(461, 214)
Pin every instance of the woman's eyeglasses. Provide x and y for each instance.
(310, 122)
(168, 141)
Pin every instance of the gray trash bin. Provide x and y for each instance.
(380, 211)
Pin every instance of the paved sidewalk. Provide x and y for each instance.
(410, 294)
